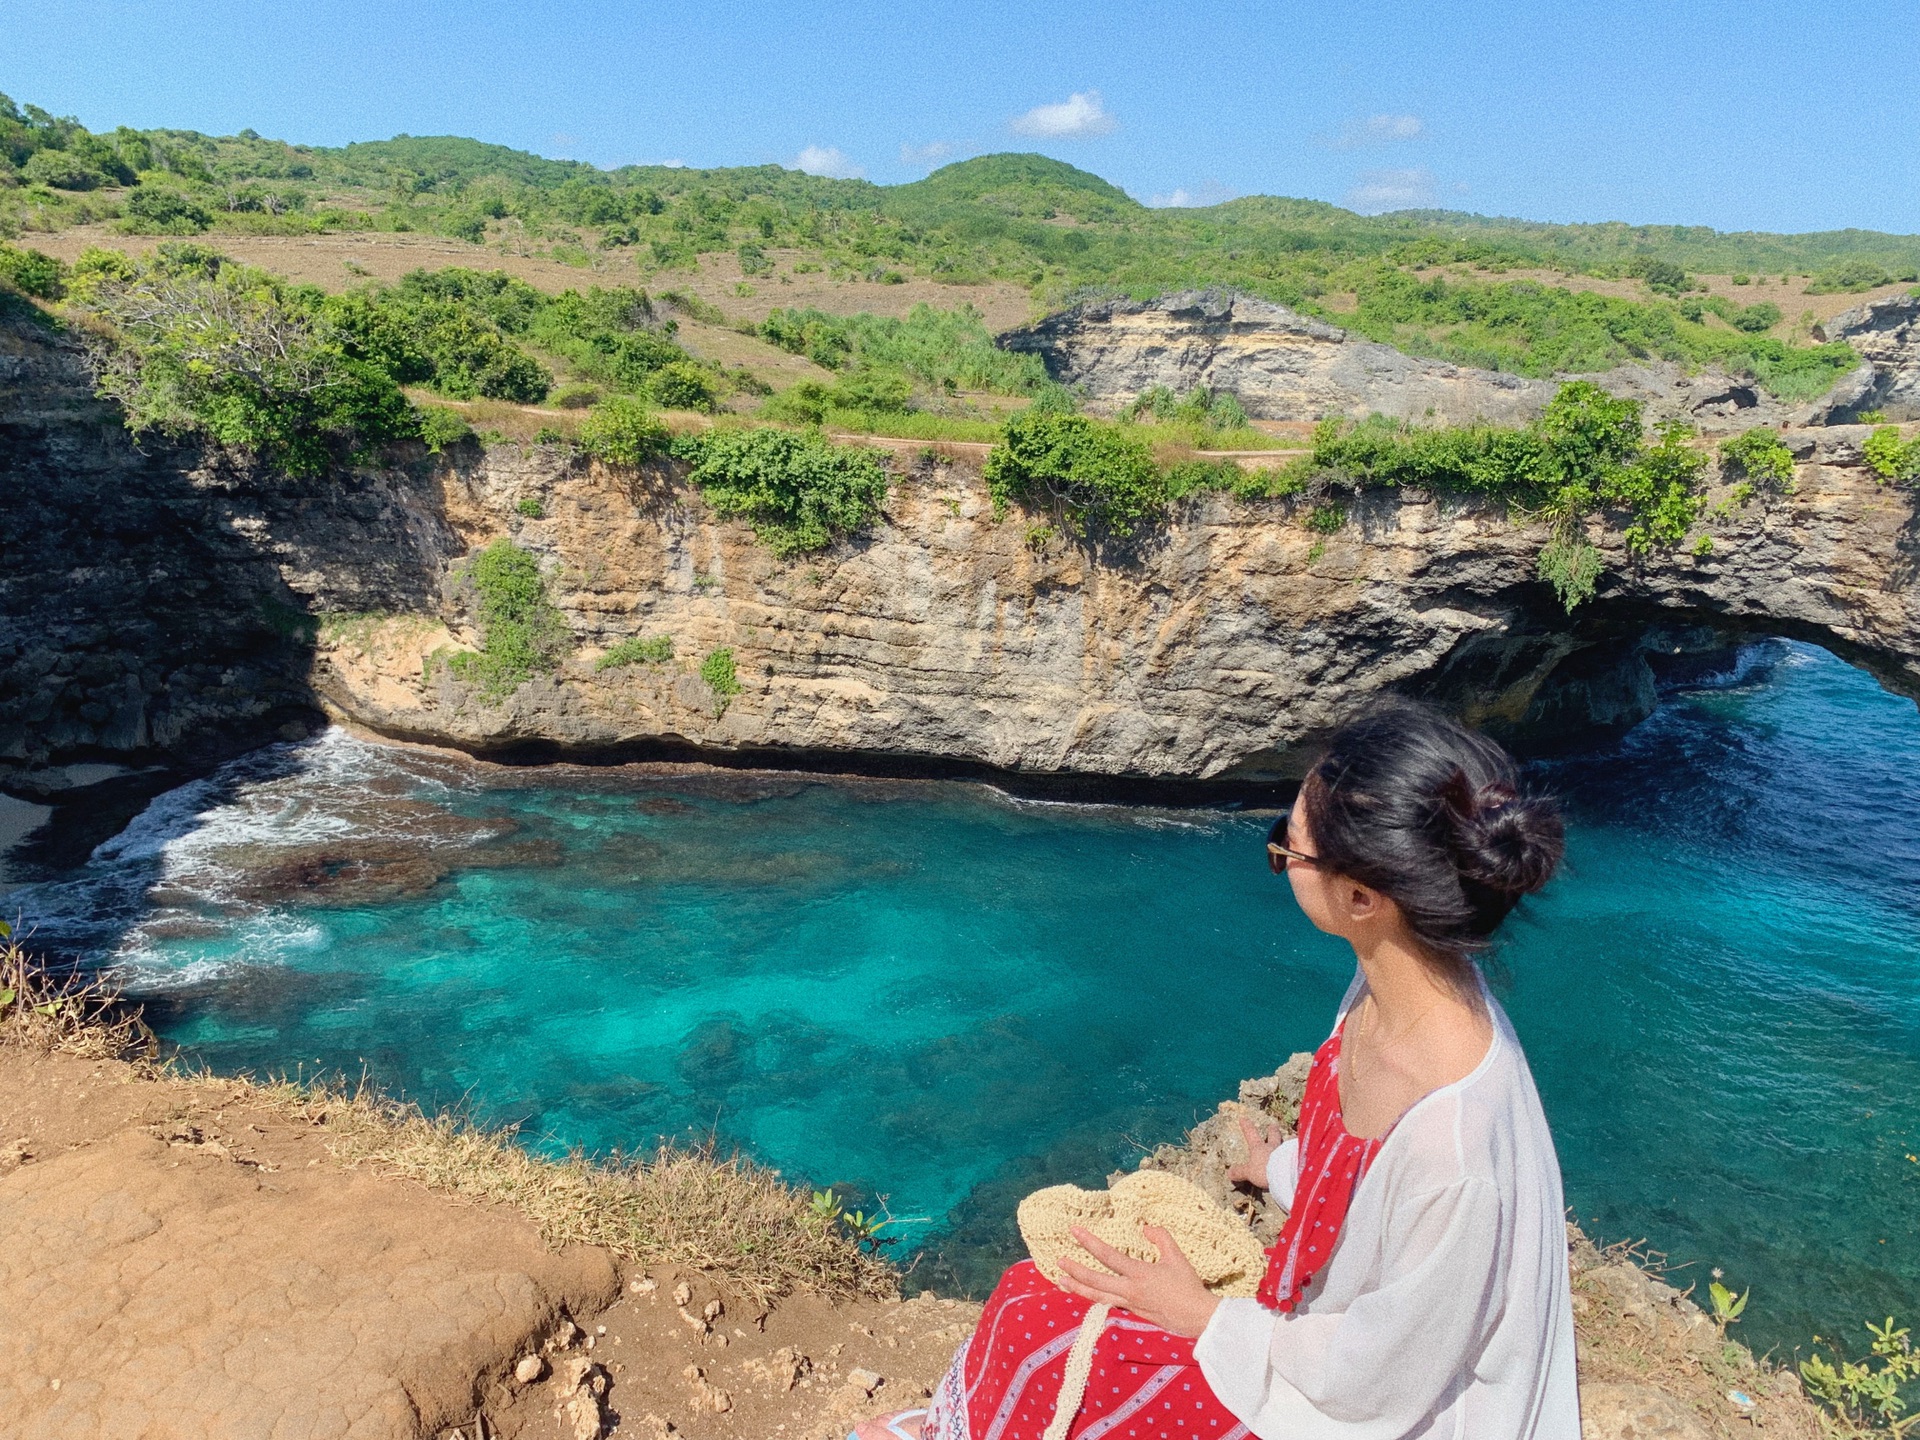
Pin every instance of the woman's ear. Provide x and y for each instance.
(1363, 903)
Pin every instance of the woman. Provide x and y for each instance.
(1419, 1287)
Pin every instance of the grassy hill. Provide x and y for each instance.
(1512, 294)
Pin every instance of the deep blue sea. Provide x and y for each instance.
(937, 996)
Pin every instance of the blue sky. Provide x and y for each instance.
(1758, 115)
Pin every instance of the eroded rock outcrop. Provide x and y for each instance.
(1282, 365)
(1886, 333)
(166, 605)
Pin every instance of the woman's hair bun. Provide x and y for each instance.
(1433, 815)
(1499, 838)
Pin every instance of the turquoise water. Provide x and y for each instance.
(935, 994)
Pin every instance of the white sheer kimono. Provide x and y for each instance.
(1444, 1309)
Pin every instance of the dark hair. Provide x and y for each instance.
(1413, 804)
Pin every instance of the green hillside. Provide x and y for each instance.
(1432, 282)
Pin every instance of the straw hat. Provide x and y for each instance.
(1218, 1243)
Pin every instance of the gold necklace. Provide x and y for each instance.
(1367, 1026)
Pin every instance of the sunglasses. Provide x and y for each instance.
(1279, 852)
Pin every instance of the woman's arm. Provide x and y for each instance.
(1391, 1360)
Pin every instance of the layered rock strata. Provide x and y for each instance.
(162, 605)
(1886, 333)
(1282, 365)
(1216, 648)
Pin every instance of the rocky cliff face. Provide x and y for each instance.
(158, 606)
(1887, 335)
(154, 600)
(1284, 366)
(1215, 649)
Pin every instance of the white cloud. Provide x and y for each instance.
(1376, 130)
(1077, 117)
(932, 153)
(1208, 192)
(829, 160)
(1377, 190)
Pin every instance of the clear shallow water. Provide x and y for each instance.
(936, 994)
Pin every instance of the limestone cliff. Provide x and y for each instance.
(161, 604)
(1886, 333)
(1282, 365)
(1215, 648)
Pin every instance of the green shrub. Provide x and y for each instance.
(682, 385)
(624, 431)
(718, 671)
(1662, 276)
(521, 632)
(654, 650)
(1849, 278)
(1571, 566)
(940, 349)
(798, 490)
(32, 273)
(62, 170)
(1758, 455)
(1661, 488)
(1756, 319)
(441, 427)
(1870, 1395)
(1891, 459)
(1100, 479)
(190, 342)
(1208, 409)
(1326, 519)
(530, 506)
(161, 210)
(576, 397)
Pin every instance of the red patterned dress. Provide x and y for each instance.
(1145, 1384)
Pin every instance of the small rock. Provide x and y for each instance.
(1635, 1412)
(530, 1369)
(645, 1285)
(599, 1329)
(682, 1293)
(572, 1373)
(866, 1380)
(720, 1340)
(589, 1341)
(713, 1311)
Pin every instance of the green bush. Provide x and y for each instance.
(530, 507)
(1756, 319)
(521, 631)
(1850, 278)
(654, 650)
(190, 342)
(441, 427)
(624, 431)
(1661, 488)
(576, 397)
(1100, 479)
(32, 273)
(1891, 459)
(1758, 455)
(1208, 409)
(63, 171)
(719, 673)
(939, 349)
(682, 385)
(798, 490)
(1662, 276)
(161, 210)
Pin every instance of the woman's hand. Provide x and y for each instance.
(1261, 1143)
(1167, 1292)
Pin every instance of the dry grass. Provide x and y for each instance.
(687, 1207)
(73, 1014)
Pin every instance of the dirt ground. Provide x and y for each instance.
(342, 260)
(187, 1259)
